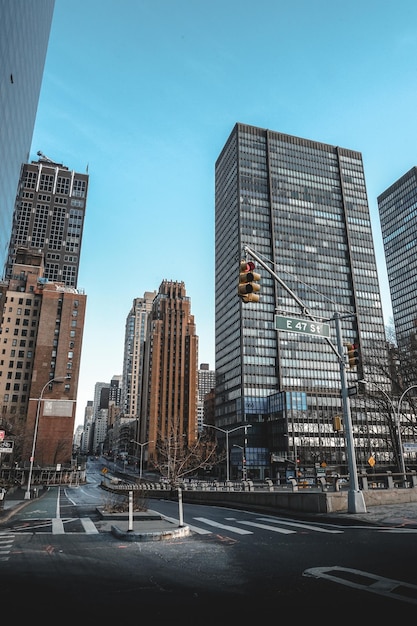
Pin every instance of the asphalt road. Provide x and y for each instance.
(235, 566)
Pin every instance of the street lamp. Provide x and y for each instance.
(35, 432)
(235, 445)
(231, 430)
(397, 418)
(141, 453)
(399, 429)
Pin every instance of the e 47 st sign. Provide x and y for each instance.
(296, 325)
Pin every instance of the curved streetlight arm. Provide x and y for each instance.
(399, 429)
(226, 432)
(60, 379)
(142, 445)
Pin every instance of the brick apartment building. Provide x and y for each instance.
(41, 335)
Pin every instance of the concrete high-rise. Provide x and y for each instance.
(24, 35)
(398, 216)
(302, 207)
(170, 385)
(49, 217)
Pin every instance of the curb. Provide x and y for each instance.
(130, 535)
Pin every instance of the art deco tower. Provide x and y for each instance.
(170, 385)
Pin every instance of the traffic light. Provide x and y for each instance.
(248, 282)
(353, 354)
(337, 423)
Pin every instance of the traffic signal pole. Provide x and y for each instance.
(356, 502)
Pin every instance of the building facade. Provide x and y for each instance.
(41, 336)
(49, 216)
(135, 336)
(397, 210)
(206, 383)
(24, 35)
(302, 207)
(170, 384)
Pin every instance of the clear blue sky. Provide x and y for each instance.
(146, 92)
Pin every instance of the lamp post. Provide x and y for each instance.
(142, 445)
(235, 445)
(35, 432)
(397, 419)
(400, 443)
(226, 432)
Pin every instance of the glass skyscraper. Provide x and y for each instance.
(24, 36)
(302, 207)
(398, 214)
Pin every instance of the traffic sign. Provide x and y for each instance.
(6, 447)
(2, 433)
(297, 325)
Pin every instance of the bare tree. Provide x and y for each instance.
(177, 458)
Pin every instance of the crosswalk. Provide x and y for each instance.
(234, 526)
(6, 543)
(227, 526)
(58, 526)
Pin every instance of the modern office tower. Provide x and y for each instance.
(41, 334)
(302, 207)
(49, 216)
(397, 210)
(24, 36)
(135, 335)
(170, 386)
(206, 382)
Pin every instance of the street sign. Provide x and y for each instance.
(6, 447)
(297, 325)
(2, 433)
(410, 447)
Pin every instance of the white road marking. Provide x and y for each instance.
(57, 526)
(366, 582)
(317, 529)
(232, 529)
(88, 525)
(275, 529)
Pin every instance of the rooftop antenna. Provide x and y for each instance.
(43, 157)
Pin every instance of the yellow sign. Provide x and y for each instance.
(104, 470)
(371, 461)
